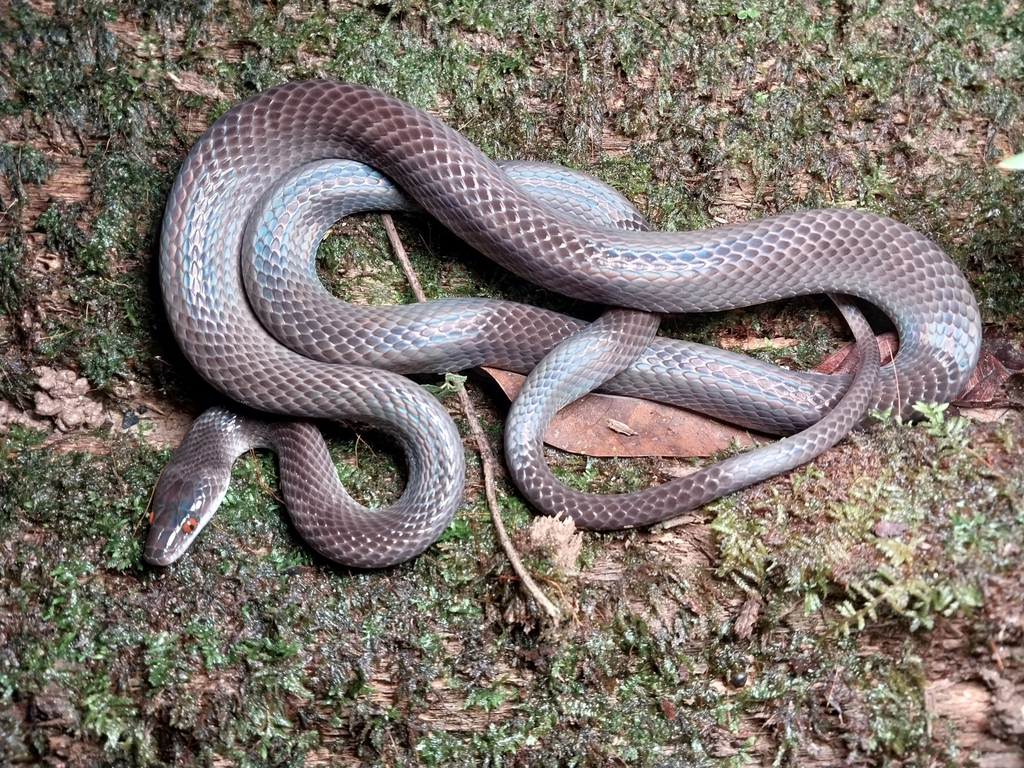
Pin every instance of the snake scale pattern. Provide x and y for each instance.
(234, 174)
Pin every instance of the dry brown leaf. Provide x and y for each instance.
(985, 383)
(748, 615)
(986, 386)
(846, 360)
(609, 425)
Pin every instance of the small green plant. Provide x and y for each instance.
(488, 699)
(453, 382)
(916, 600)
(938, 424)
(107, 716)
(912, 596)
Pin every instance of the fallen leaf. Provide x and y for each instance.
(846, 360)
(986, 383)
(642, 428)
(748, 615)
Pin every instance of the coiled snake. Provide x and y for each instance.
(547, 227)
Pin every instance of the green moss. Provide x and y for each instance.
(12, 276)
(18, 166)
(807, 552)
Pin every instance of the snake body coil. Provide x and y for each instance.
(279, 132)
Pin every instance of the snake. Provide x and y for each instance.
(264, 143)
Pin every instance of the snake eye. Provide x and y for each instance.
(189, 525)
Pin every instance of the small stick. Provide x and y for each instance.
(996, 655)
(487, 458)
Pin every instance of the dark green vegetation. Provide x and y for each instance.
(253, 651)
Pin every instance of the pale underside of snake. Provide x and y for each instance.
(562, 231)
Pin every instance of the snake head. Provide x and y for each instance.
(182, 506)
(193, 484)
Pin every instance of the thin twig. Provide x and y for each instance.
(996, 655)
(487, 458)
